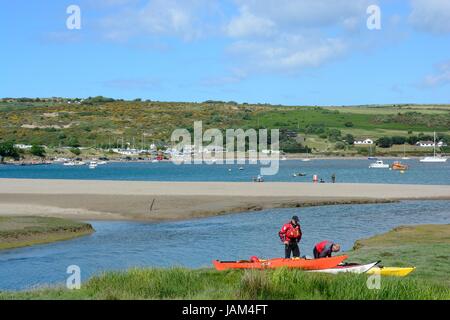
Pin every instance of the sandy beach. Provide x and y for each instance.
(155, 201)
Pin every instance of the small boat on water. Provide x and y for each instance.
(259, 178)
(74, 163)
(93, 165)
(399, 166)
(298, 263)
(299, 174)
(379, 164)
(434, 158)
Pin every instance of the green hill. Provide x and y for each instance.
(105, 122)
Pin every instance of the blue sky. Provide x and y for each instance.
(295, 52)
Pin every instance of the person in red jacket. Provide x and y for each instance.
(325, 249)
(290, 234)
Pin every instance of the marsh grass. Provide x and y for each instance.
(21, 231)
(179, 283)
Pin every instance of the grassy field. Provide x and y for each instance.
(26, 231)
(411, 246)
(143, 122)
(426, 247)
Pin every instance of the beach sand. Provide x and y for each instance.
(156, 201)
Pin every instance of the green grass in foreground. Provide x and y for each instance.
(178, 283)
(25, 231)
(412, 246)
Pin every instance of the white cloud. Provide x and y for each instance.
(247, 24)
(290, 14)
(288, 54)
(187, 19)
(431, 15)
(290, 35)
(440, 77)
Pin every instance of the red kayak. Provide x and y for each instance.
(305, 264)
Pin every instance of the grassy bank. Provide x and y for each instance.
(427, 247)
(26, 231)
(412, 244)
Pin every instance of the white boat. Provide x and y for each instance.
(358, 268)
(379, 164)
(404, 153)
(434, 158)
(69, 163)
(93, 165)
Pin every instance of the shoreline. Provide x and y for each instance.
(397, 247)
(289, 157)
(84, 200)
(25, 231)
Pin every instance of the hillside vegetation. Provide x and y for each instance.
(105, 122)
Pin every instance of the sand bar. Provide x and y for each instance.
(153, 201)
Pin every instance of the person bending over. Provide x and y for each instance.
(325, 249)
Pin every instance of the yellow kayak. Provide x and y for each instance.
(391, 271)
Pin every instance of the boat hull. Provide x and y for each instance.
(305, 264)
(360, 268)
(391, 271)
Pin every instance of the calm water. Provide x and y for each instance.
(194, 243)
(345, 170)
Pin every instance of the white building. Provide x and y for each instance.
(22, 146)
(363, 141)
(430, 144)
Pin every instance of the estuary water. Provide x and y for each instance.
(194, 243)
(353, 171)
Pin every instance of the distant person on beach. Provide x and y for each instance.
(290, 234)
(325, 249)
(333, 178)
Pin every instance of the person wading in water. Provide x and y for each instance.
(290, 234)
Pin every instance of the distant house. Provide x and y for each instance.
(365, 141)
(428, 144)
(22, 146)
(291, 134)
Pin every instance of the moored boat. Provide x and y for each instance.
(435, 158)
(399, 166)
(379, 164)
